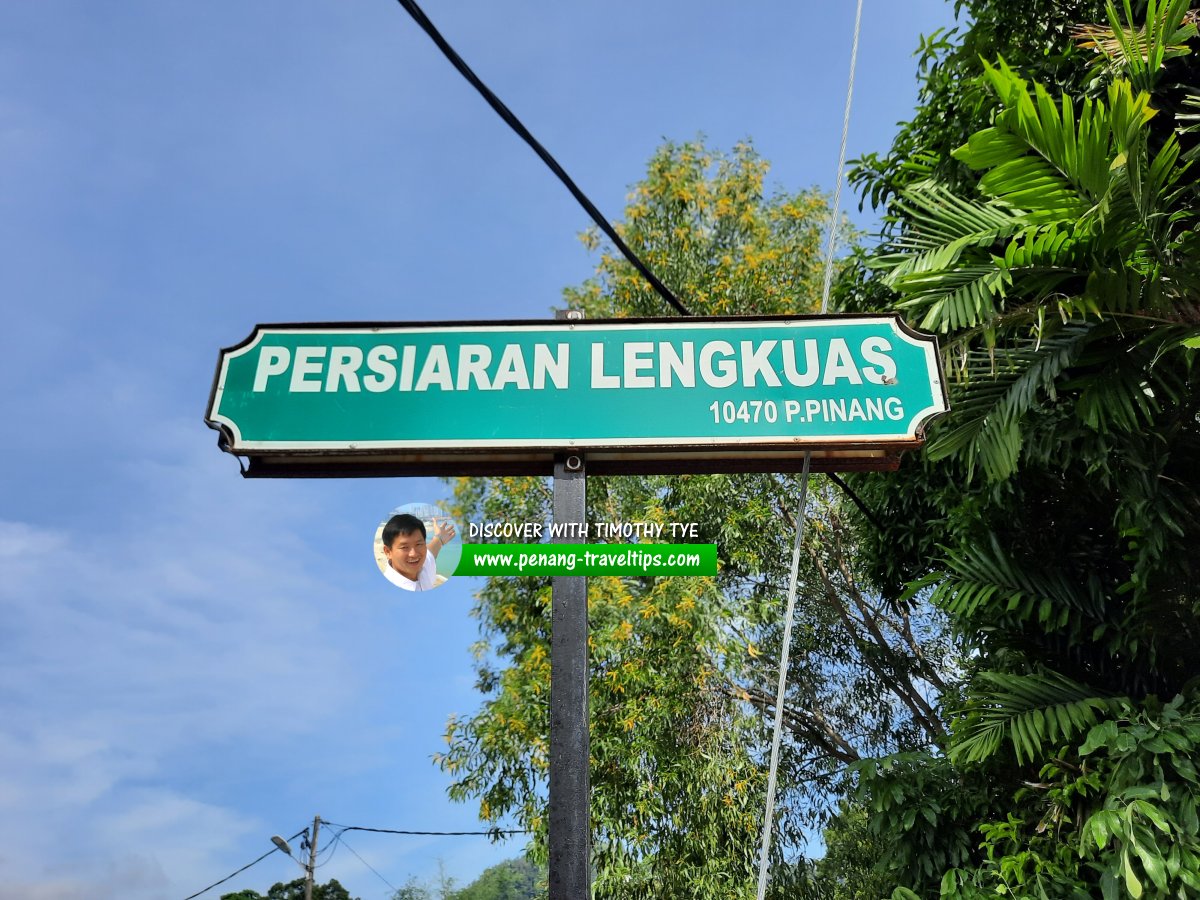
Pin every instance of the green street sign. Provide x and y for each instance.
(699, 394)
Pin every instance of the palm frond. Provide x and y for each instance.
(1039, 144)
(1128, 113)
(998, 390)
(1149, 183)
(1036, 186)
(942, 225)
(986, 582)
(1114, 291)
(1139, 53)
(1041, 246)
(1125, 392)
(1028, 710)
(1190, 120)
(962, 297)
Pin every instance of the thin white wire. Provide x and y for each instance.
(785, 652)
(769, 817)
(837, 185)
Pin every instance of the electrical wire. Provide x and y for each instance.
(776, 733)
(492, 832)
(837, 185)
(515, 124)
(511, 120)
(772, 778)
(855, 499)
(346, 844)
(242, 869)
(330, 849)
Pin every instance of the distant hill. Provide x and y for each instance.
(513, 879)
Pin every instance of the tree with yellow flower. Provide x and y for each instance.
(681, 669)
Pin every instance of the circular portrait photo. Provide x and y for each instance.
(417, 547)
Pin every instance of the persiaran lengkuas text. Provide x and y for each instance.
(544, 366)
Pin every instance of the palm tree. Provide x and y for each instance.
(1069, 295)
(1065, 479)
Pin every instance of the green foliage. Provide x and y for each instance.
(921, 811)
(682, 689)
(1063, 372)
(705, 224)
(1113, 817)
(1026, 710)
(1146, 832)
(514, 879)
(294, 890)
(953, 102)
(848, 869)
(413, 889)
(1055, 515)
(1139, 52)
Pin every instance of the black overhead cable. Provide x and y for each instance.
(491, 832)
(514, 123)
(395, 890)
(242, 869)
(328, 851)
(855, 499)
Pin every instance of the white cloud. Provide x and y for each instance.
(135, 652)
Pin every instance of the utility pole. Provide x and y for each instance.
(312, 859)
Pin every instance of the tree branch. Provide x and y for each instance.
(810, 723)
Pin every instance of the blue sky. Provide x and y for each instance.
(191, 662)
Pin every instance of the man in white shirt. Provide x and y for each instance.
(411, 562)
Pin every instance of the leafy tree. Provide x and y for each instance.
(1055, 513)
(681, 683)
(294, 890)
(513, 879)
(847, 871)
(952, 100)
(413, 889)
(703, 223)
(441, 888)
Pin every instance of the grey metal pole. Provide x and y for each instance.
(312, 859)
(570, 793)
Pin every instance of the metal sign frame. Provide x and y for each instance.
(612, 455)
